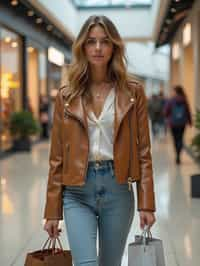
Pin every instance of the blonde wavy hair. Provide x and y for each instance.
(78, 74)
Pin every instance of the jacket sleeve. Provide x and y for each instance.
(54, 208)
(145, 186)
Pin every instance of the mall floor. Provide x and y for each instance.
(22, 194)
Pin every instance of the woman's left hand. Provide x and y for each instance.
(147, 218)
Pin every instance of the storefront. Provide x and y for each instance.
(28, 70)
(10, 82)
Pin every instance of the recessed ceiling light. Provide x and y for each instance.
(168, 21)
(14, 44)
(30, 49)
(173, 10)
(38, 20)
(14, 2)
(7, 39)
(49, 27)
(30, 13)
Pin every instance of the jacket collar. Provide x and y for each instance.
(124, 100)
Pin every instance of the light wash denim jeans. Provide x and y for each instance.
(101, 204)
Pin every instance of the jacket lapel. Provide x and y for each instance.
(76, 109)
(123, 102)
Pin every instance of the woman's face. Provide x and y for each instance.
(98, 47)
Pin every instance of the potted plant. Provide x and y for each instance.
(22, 126)
(195, 179)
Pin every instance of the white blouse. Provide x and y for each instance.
(101, 130)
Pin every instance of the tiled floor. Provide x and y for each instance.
(22, 193)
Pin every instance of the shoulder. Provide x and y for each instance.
(136, 87)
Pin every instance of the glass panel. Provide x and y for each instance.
(36, 76)
(43, 73)
(10, 85)
(98, 3)
(33, 80)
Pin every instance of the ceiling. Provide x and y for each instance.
(176, 12)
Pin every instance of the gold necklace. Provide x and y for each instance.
(98, 94)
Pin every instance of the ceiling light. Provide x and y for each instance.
(168, 21)
(30, 49)
(30, 13)
(7, 39)
(38, 20)
(14, 44)
(49, 27)
(14, 2)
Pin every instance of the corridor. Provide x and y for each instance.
(22, 190)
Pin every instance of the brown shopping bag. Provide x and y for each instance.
(146, 251)
(51, 256)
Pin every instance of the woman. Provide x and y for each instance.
(99, 146)
(178, 115)
(44, 117)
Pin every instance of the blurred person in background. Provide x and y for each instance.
(44, 116)
(178, 116)
(99, 145)
(155, 109)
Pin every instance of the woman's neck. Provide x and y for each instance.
(98, 75)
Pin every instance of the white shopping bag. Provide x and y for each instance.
(146, 251)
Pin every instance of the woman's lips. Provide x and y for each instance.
(98, 56)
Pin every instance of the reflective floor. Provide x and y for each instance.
(22, 194)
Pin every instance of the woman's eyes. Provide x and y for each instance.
(91, 41)
(106, 41)
(94, 42)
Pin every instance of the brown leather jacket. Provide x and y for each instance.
(70, 147)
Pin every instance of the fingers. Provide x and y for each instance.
(52, 229)
(56, 231)
(151, 220)
(142, 222)
(146, 218)
(49, 230)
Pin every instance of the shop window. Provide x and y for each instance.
(10, 82)
(37, 77)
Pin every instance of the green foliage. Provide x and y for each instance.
(196, 140)
(23, 124)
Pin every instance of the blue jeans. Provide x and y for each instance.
(101, 204)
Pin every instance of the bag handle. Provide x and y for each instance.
(48, 241)
(52, 244)
(146, 235)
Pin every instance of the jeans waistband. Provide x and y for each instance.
(100, 163)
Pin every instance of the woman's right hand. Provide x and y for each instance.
(51, 226)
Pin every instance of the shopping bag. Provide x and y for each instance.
(51, 256)
(146, 251)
